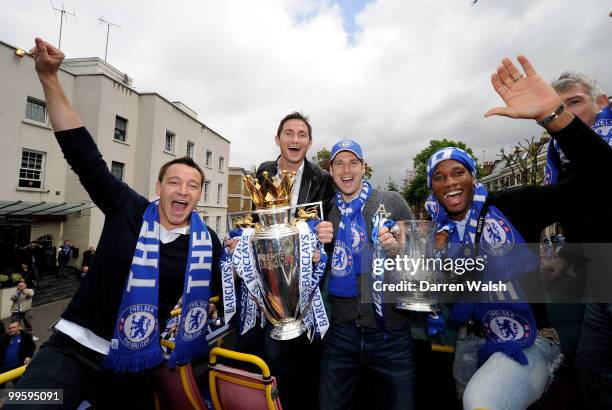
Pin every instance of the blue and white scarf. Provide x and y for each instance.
(379, 221)
(311, 301)
(251, 287)
(135, 343)
(350, 241)
(509, 327)
(227, 279)
(556, 159)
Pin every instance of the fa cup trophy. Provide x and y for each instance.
(416, 239)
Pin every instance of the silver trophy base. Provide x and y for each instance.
(419, 307)
(287, 331)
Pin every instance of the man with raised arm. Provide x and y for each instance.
(519, 347)
(106, 344)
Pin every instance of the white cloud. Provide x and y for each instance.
(417, 70)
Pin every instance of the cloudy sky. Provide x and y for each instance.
(391, 74)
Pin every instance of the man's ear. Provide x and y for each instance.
(277, 140)
(602, 101)
(158, 188)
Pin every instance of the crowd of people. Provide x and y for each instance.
(506, 354)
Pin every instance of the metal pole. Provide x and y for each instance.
(106, 50)
(61, 23)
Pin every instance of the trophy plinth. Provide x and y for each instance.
(287, 330)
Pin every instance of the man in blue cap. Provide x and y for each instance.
(362, 335)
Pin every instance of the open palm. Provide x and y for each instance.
(526, 96)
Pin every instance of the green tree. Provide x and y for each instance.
(417, 191)
(392, 186)
(321, 158)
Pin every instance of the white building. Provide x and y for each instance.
(504, 176)
(136, 133)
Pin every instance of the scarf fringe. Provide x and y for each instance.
(511, 350)
(133, 364)
(188, 353)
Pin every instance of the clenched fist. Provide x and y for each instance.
(325, 230)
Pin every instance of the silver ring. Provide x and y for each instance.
(518, 77)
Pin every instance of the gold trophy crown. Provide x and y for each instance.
(270, 191)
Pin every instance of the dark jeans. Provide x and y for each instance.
(25, 317)
(62, 363)
(347, 349)
(295, 365)
(61, 271)
(594, 357)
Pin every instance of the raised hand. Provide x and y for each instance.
(47, 61)
(47, 58)
(526, 95)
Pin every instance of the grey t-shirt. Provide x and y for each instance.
(352, 309)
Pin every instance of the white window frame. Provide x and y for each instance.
(118, 117)
(192, 144)
(206, 190)
(221, 163)
(35, 101)
(41, 171)
(122, 169)
(173, 139)
(219, 194)
(217, 223)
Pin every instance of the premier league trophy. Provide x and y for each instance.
(275, 245)
(416, 239)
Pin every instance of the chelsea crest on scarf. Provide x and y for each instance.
(135, 344)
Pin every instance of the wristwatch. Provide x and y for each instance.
(552, 116)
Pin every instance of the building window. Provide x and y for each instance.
(117, 170)
(205, 219)
(31, 171)
(36, 110)
(190, 149)
(219, 193)
(206, 191)
(218, 224)
(169, 143)
(208, 162)
(120, 129)
(221, 164)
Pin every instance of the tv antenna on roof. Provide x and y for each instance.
(63, 14)
(108, 26)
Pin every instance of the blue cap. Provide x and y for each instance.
(346, 145)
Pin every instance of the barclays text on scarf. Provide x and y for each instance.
(411, 266)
